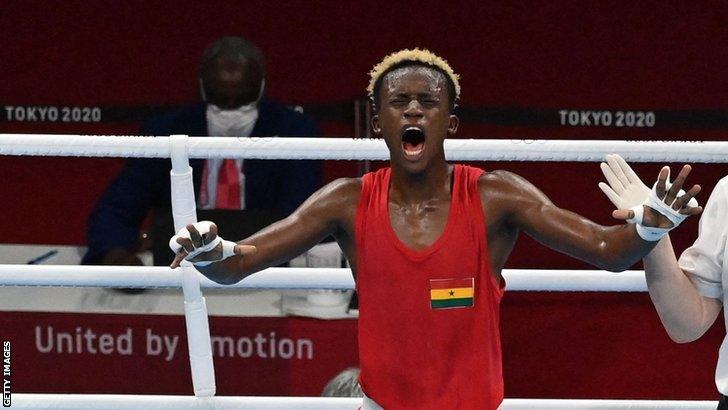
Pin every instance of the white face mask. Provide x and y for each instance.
(238, 122)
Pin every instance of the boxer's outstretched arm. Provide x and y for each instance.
(323, 213)
(613, 248)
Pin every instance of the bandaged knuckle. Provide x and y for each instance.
(667, 206)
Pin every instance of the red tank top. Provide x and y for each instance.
(428, 320)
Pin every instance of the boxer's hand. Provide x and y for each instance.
(199, 244)
(675, 198)
(655, 211)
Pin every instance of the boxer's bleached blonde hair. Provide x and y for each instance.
(407, 57)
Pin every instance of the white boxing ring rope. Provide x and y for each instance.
(133, 402)
(553, 280)
(360, 149)
(180, 148)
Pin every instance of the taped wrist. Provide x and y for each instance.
(650, 233)
(228, 250)
(203, 227)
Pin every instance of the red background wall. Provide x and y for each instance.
(667, 55)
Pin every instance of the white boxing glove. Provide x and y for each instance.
(203, 227)
(627, 191)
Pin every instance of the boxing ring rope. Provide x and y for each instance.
(132, 402)
(181, 148)
(360, 149)
(552, 280)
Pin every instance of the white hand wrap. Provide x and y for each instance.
(203, 227)
(627, 191)
(650, 233)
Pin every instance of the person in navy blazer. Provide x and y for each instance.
(231, 78)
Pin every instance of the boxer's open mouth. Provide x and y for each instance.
(413, 142)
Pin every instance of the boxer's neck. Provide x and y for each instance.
(410, 188)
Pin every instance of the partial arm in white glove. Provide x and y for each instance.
(684, 312)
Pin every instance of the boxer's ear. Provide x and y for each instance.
(453, 126)
(376, 129)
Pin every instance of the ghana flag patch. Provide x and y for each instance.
(451, 293)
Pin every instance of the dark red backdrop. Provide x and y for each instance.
(667, 55)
